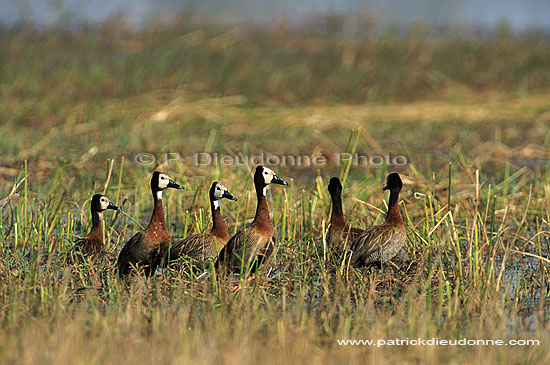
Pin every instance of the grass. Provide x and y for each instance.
(79, 107)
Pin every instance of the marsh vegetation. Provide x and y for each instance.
(471, 116)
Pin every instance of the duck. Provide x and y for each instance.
(379, 244)
(340, 234)
(253, 245)
(203, 247)
(148, 249)
(92, 245)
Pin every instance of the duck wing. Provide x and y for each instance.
(371, 245)
(246, 244)
(132, 253)
(192, 246)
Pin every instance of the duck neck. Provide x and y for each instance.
(393, 215)
(219, 228)
(97, 231)
(157, 218)
(337, 215)
(262, 210)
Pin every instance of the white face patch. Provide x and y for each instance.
(219, 190)
(103, 203)
(159, 194)
(163, 182)
(268, 175)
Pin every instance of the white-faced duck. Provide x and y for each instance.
(252, 246)
(381, 243)
(206, 246)
(92, 244)
(340, 234)
(148, 249)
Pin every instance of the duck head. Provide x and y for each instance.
(219, 191)
(393, 182)
(101, 202)
(265, 176)
(161, 181)
(335, 186)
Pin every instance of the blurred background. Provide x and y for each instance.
(517, 14)
(92, 80)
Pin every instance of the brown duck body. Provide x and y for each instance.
(378, 244)
(92, 245)
(147, 249)
(341, 237)
(203, 247)
(381, 243)
(198, 247)
(340, 234)
(251, 247)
